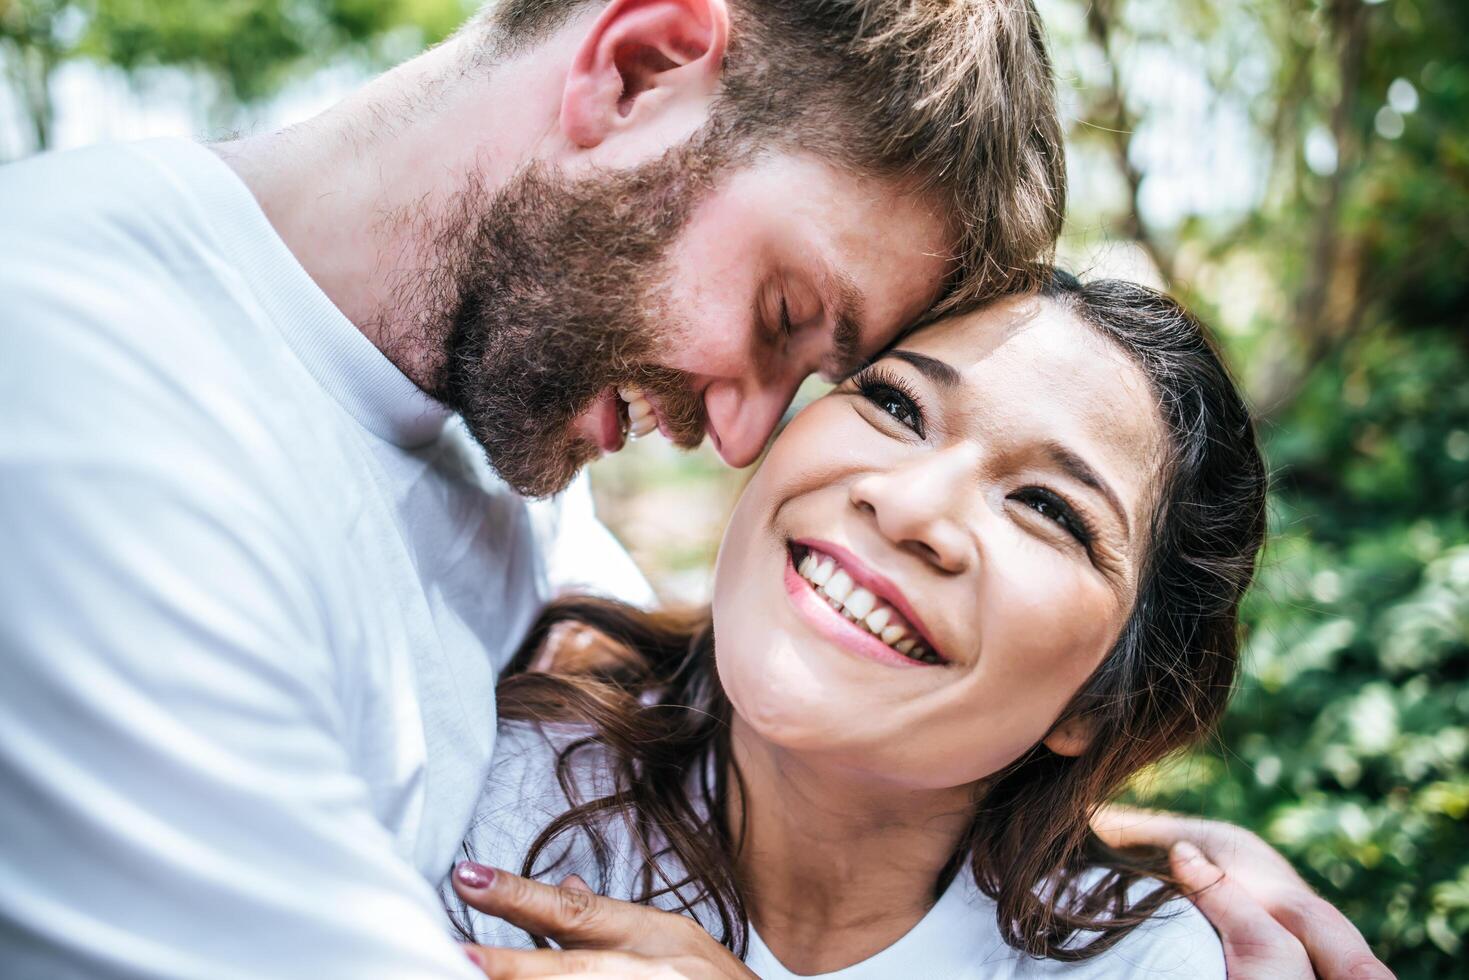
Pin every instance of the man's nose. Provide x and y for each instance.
(742, 413)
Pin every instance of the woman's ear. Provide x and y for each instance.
(1071, 736)
(639, 57)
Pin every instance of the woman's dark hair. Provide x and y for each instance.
(650, 697)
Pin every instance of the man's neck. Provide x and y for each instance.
(837, 865)
(358, 192)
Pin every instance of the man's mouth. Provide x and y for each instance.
(604, 423)
(617, 415)
(835, 578)
(637, 412)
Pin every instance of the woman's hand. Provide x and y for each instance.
(1271, 923)
(601, 938)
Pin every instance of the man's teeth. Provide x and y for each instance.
(861, 606)
(640, 417)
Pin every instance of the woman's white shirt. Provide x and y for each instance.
(957, 939)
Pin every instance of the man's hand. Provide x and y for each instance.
(601, 938)
(1271, 923)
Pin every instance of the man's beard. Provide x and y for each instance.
(542, 295)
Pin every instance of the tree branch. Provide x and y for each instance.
(1316, 325)
(1119, 126)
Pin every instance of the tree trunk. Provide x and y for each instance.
(1318, 327)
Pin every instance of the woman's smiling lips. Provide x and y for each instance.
(837, 628)
(876, 583)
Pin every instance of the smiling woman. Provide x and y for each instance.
(968, 593)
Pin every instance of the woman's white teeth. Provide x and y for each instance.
(860, 603)
(839, 586)
(640, 417)
(860, 606)
(877, 620)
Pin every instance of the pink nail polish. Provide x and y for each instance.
(474, 956)
(474, 875)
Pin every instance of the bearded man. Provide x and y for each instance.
(262, 401)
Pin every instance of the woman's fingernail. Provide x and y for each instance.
(474, 875)
(474, 956)
(1184, 852)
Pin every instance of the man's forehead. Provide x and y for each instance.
(891, 247)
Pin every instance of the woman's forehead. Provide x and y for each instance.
(1032, 366)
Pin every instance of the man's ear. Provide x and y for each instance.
(639, 56)
(1070, 737)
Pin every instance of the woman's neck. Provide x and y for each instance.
(835, 865)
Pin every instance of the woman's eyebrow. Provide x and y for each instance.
(1082, 471)
(939, 372)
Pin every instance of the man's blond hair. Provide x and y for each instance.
(956, 96)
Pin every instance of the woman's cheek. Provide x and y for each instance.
(1045, 626)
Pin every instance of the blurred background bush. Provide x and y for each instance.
(1296, 169)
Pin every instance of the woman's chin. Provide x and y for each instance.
(784, 701)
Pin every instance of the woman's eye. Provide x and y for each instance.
(1057, 511)
(897, 404)
(893, 395)
(898, 407)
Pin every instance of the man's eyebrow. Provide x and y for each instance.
(939, 372)
(846, 336)
(1082, 471)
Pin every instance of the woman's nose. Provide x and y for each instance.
(743, 412)
(920, 509)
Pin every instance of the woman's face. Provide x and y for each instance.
(934, 557)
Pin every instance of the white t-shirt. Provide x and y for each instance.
(255, 592)
(958, 939)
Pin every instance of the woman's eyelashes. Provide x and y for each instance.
(893, 395)
(1052, 507)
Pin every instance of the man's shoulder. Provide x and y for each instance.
(118, 310)
(103, 201)
(106, 240)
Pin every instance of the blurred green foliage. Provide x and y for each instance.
(247, 48)
(1347, 746)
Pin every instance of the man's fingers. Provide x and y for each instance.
(1336, 948)
(1224, 903)
(571, 916)
(1256, 947)
(583, 964)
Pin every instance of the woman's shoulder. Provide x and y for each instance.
(537, 773)
(1175, 942)
(540, 771)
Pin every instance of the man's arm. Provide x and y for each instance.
(178, 798)
(1251, 895)
(179, 802)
